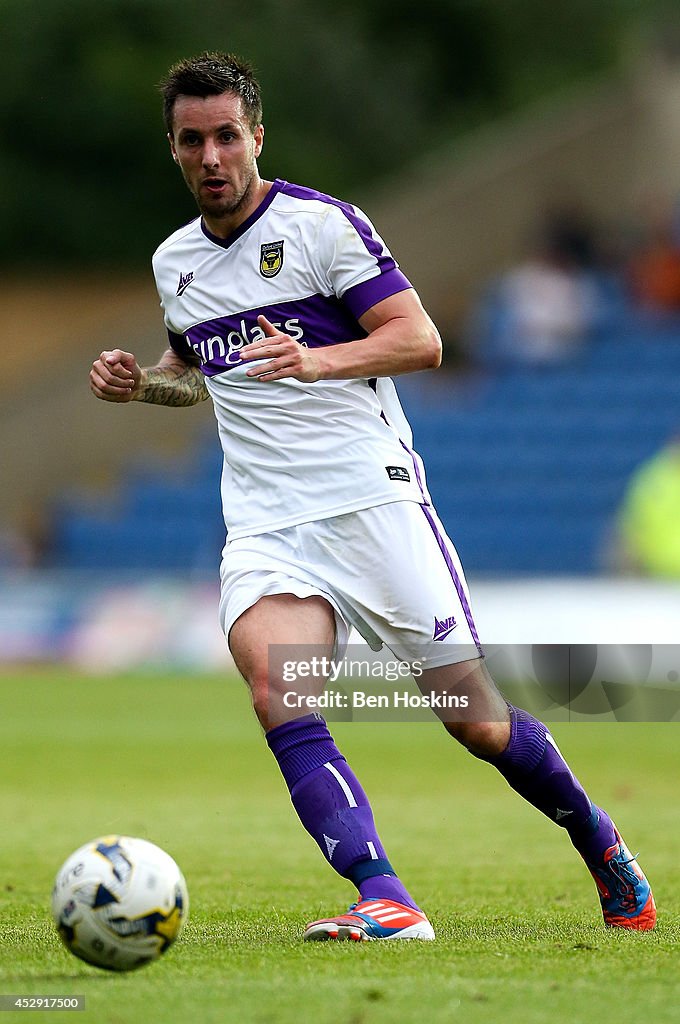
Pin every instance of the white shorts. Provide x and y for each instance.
(389, 571)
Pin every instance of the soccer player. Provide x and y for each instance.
(285, 307)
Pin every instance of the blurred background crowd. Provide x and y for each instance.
(525, 171)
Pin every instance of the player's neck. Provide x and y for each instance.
(228, 223)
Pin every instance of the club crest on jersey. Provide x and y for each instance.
(271, 258)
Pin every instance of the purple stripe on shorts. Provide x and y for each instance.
(460, 590)
(454, 576)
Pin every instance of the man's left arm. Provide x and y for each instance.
(401, 338)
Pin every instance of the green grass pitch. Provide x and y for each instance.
(180, 761)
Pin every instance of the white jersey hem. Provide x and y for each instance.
(321, 514)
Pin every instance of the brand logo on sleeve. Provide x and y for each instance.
(443, 628)
(398, 473)
(184, 282)
(271, 258)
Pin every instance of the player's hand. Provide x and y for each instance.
(287, 358)
(115, 376)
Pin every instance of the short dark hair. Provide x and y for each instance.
(211, 74)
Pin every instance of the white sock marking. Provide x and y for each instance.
(343, 784)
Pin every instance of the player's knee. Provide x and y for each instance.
(269, 703)
(261, 696)
(483, 739)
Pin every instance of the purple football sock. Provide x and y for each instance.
(333, 807)
(533, 765)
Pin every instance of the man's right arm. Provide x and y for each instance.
(117, 377)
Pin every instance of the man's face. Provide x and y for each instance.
(216, 150)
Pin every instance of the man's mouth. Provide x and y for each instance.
(213, 185)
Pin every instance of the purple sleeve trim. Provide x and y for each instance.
(362, 296)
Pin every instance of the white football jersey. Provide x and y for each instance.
(293, 452)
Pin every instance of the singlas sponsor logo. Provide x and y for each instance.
(226, 349)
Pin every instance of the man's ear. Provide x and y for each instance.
(258, 136)
(172, 148)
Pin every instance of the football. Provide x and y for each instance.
(119, 902)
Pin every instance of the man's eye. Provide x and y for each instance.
(190, 140)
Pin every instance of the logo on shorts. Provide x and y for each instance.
(271, 258)
(398, 473)
(443, 628)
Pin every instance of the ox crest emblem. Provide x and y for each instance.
(271, 258)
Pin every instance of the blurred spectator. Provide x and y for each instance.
(543, 311)
(654, 268)
(649, 519)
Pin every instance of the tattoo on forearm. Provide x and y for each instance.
(167, 385)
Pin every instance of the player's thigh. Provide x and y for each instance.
(269, 565)
(276, 630)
